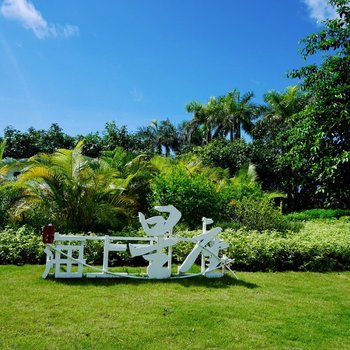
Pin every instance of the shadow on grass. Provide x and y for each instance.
(200, 281)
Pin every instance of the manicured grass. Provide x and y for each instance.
(291, 310)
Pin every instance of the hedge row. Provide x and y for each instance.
(320, 246)
(312, 214)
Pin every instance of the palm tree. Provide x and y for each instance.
(168, 136)
(236, 112)
(150, 134)
(137, 169)
(190, 136)
(160, 135)
(81, 193)
(204, 116)
(282, 106)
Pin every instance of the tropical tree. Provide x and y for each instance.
(114, 136)
(281, 106)
(137, 168)
(279, 109)
(26, 144)
(235, 112)
(270, 134)
(225, 154)
(319, 142)
(79, 192)
(204, 116)
(160, 135)
(223, 116)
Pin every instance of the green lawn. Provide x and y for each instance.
(290, 310)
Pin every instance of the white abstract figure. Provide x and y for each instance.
(209, 246)
(161, 229)
(212, 252)
(201, 245)
(158, 225)
(49, 262)
(67, 251)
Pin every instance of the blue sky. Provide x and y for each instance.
(82, 63)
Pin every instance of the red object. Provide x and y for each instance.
(48, 234)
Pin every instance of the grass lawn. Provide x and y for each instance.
(291, 310)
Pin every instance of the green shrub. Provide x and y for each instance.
(344, 219)
(225, 154)
(21, 246)
(194, 196)
(261, 215)
(8, 196)
(319, 247)
(318, 214)
(182, 249)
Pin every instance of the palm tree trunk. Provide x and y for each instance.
(208, 135)
(238, 131)
(231, 134)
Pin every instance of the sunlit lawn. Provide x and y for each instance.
(261, 311)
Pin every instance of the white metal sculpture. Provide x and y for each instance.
(67, 251)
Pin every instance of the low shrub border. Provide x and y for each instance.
(320, 246)
(312, 214)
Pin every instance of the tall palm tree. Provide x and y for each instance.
(282, 106)
(150, 134)
(169, 136)
(81, 193)
(236, 113)
(160, 135)
(204, 116)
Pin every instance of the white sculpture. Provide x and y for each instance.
(161, 228)
(157, 250)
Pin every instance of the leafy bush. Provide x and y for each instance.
(261, 215)
(228, 155)
(21, 246)
(182, 249)
(194, 196)
(8, 196)
(319, 247)
(318, 214)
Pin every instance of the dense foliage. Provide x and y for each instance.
(21, 246)
(320, 246)
(194, 196)
(228, 155)
(261, 215)
(319, 141)
(319, 214)
(74, 191)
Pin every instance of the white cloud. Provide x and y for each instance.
(24, 12)
(320, 10)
